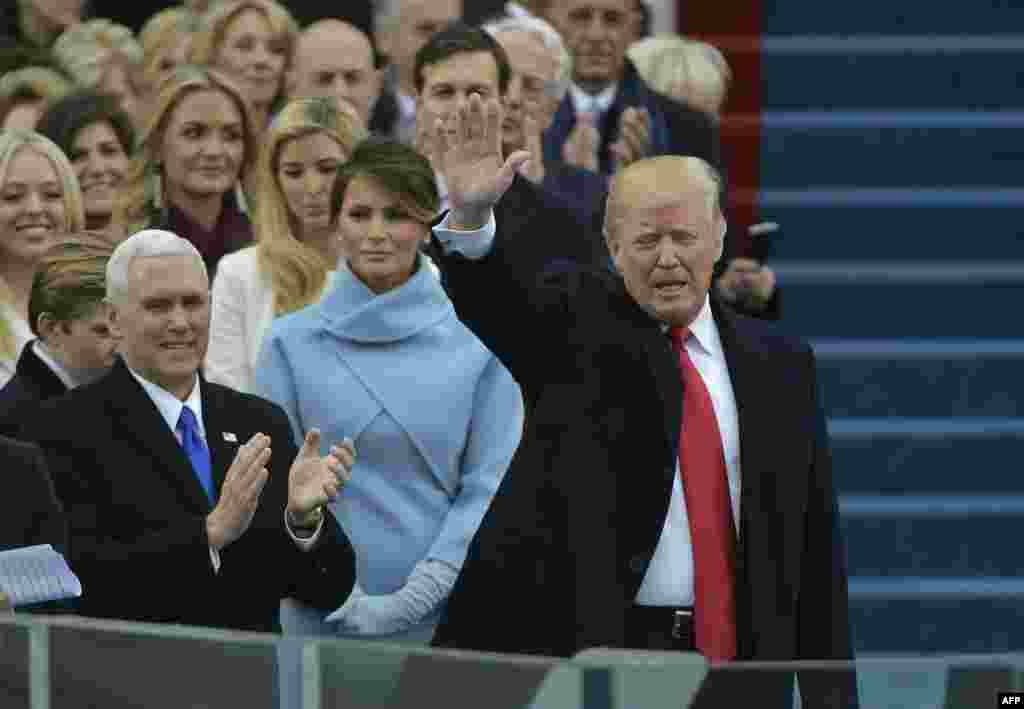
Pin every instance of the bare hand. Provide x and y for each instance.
(467, 151)
(634, 141)
(240, 494)
(747, 282)
(580, 148)
(533, 169)
(314, 480)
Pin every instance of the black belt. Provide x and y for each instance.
(660, 628)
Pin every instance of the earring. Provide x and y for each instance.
(156, 186)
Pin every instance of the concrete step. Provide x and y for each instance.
(891, 149)
(929, 456)
(921, 378)
(933, 536)
(895, 224)
(937, 615)
(901, 301)
(882, 17)
(890, 72)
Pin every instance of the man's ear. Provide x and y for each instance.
(722, 227)
(47, 325)
(114, 319)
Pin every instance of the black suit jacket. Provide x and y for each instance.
(33, 381)
(562, 551)
(29, 511)
(137, 512)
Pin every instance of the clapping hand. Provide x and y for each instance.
(240, 493)
(580, 148)
(315, 480)
(467, 151)
(634, 141)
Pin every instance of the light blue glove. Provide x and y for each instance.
(425, 590)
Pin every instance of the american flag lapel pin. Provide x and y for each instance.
(230, 437)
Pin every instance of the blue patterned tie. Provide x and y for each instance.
(196, 450)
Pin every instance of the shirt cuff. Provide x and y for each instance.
(215, 560)
(473, 245)
(303, 543)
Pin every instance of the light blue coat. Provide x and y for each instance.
(434, 415)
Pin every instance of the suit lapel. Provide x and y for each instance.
(223, 443)
(769, 512)
(139, 423)
(35, 371)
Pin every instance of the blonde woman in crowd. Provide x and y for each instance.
(687, 70)
(165, 39)
(251, 40)
(25, 94)
(197, 144)
(97, 137)
(297, 250)
(104, 57)
(39, 198)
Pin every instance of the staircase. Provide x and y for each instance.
(892, 156)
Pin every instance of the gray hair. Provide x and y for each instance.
(143, 244)
(548, 36)
(86, 50)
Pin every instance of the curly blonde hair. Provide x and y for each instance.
(87, 51)
(296, 272)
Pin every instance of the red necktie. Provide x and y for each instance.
(706, 487)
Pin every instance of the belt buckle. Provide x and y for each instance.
(678, 617)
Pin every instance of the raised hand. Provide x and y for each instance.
(634, 141)
(467, 152)
(314, 480)
(240, 493)
(580, 148)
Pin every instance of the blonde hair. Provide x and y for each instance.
(666, 62)
(135, 207)
(74, 212)
(30, 83)
(162, 31)
(681, 172)
(87, 51)
(214, 23)
(296, 272)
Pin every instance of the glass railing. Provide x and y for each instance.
(64, 662)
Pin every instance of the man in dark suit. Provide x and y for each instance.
(610, 116)
(178, 511)
(673, 490)
(29, 511)
(461, 61)
(68, 316)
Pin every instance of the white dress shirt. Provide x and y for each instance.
(170, 408)
(597, 104)
(669, 577)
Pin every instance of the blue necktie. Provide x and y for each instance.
(196, 450)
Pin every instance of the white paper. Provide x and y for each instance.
(36, 574)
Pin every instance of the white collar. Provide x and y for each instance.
(592, 103)
(170, 406)
(39, 347)
(406, 104)
(705, 330)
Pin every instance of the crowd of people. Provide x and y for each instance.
(440, 320)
